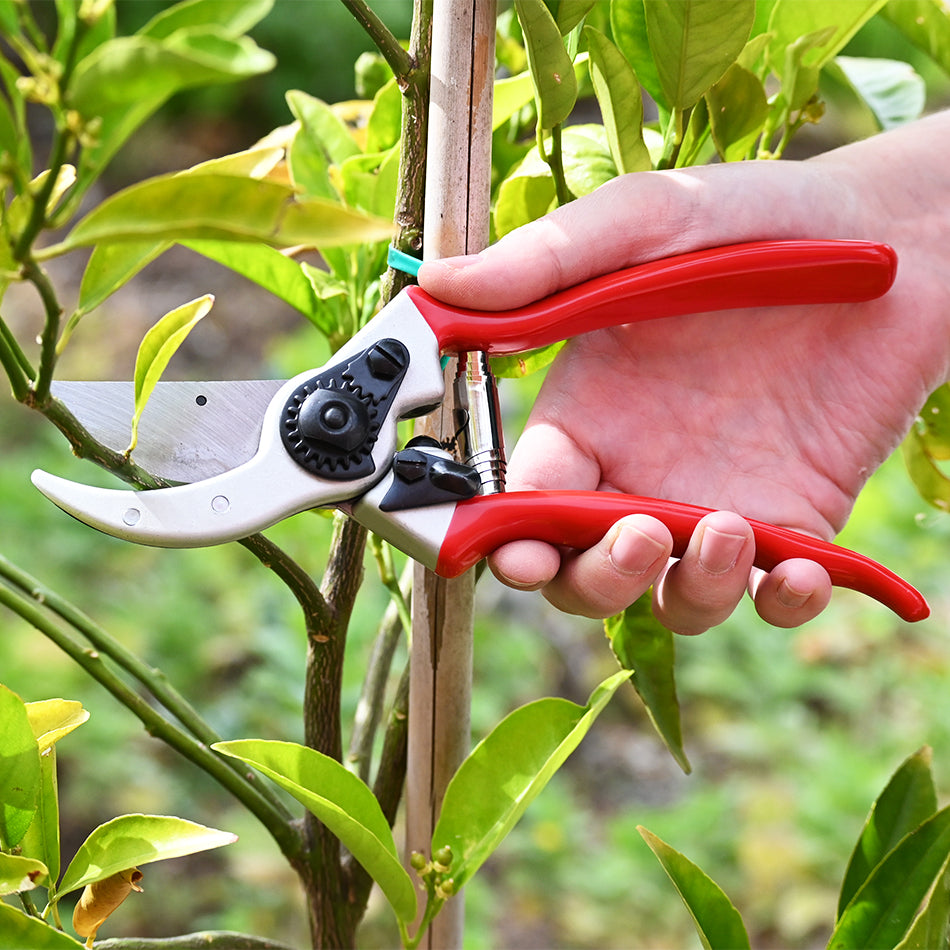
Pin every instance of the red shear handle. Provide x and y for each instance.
(767, 273)
(580, 519)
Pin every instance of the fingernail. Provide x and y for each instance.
(633, 552)
(787, 596)
(719, 551)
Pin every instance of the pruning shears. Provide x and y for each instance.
(252, 453)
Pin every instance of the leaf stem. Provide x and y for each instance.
(555, 161)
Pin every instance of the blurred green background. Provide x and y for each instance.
(791, 733)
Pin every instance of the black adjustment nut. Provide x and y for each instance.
(410, 466)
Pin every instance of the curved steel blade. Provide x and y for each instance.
(271, 486)
(188, 430)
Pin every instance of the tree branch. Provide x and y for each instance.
(206, 940)
(283, 831)
(400, 62)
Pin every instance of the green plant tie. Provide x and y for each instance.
(399, 260)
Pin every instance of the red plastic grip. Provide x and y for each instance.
(765, 273)
(579, 519)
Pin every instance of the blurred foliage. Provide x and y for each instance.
(791, 734)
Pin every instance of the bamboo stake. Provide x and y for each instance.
(458, 183)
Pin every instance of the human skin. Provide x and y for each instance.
(776, 414)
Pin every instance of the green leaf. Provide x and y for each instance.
(20, 932)
(738, 108)
(925, 23)
(321, 141)
(931, 927)
(331, 314)
(158, 346)
(509, 95)
(507, 770)
(41, 840)
(127, 79)
(384, 126)
(266, 267)
(524, 364)
(621, 106)
(717, 921)
(368, 183)
(342, 802)
(883, 910)
(549, 62)
(646, 648)
(791, 20)
(568, 13)
(256, 162)
(908, 800)
(628, 24)
(931, 483)
(130, 69)
(111, 266)
(694, 42)
(133, 840)
(9, 19)
(932, 425)
(222, 207)
(21, 207)
(9, 133)
(528, 192)
(19, 770)
(230, 17)
(893, 91)
(523, 196)
(51, 719)
(18, 873)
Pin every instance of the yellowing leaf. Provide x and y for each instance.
(256, 162)
(158, 347)
(223, 207)
(51, 719)
(99, 900)
(19, 211)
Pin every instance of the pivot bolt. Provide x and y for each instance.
(335, 419)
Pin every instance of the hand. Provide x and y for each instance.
(777, 414)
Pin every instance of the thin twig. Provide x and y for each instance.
(295, 578)
(369, 709)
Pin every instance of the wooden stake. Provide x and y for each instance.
(458, 183)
